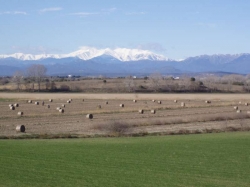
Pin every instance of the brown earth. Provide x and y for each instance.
(111, 118)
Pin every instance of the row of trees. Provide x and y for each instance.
(36, 73)
(213, 83)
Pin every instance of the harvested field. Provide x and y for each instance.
(170, 118)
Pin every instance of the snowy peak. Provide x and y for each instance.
(122, 54)
(87, 53)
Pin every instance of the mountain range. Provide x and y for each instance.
(122, 61)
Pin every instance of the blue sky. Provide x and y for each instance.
(174, 28)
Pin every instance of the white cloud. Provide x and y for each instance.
(52, 9)
(135, 13)
(154, 46)
(103, 11)
(109, 10)
(34, 50)
(14, 12)
(84, 14)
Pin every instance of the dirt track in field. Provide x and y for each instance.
(169, 116)
(225, 97)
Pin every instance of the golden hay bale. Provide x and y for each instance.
(16, 105)
(68, 101)
(153, 111)
(58, 108)
(122, 105)
(106, 102)
(20, 128)
(61, 110)
(10, 105)
(134, 101)
(238, 111)
(235, 107)
(89, 116)
(159, 102)
(246, 104)
(175, 101)
(183, 104)
(29, 101)
(50, 100)
(12, 108)
(36, 103)
(141, 111)
(63, 105)
(20, 113)
(207, 101)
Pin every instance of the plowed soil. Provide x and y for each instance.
(169, 116)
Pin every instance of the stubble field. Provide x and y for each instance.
(112, 120)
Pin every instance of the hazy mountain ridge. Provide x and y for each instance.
(87, 53)
(126, 62)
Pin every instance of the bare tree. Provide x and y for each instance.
(155, 80)
(36, 73)
(129, 83)
(246, 86)
(18, 79)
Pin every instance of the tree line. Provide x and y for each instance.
(34, 74)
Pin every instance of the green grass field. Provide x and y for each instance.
(187, 160)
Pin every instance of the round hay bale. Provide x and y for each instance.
(246, 104)
(248, 112)
(16, 105)
(10, 105)
(36, 103)
(141, 111)
(12, 108)
(239, 102)
(20, 113)
(50, 100)
(48, 106)
(235, 107)
(134, 101)
(61, 110)
(29, 101)
(183, 104)
(122, 105)
(63, 105)
(207, 101)
(159, 102)
(20, 128)
(68, 101)
(58, 108)
(89, 116)
(238, 111)
(106, 102)
(175, 101)
(152, 111)
(153, 100)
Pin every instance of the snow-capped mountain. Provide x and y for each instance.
(93, 61)
(87, 53)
